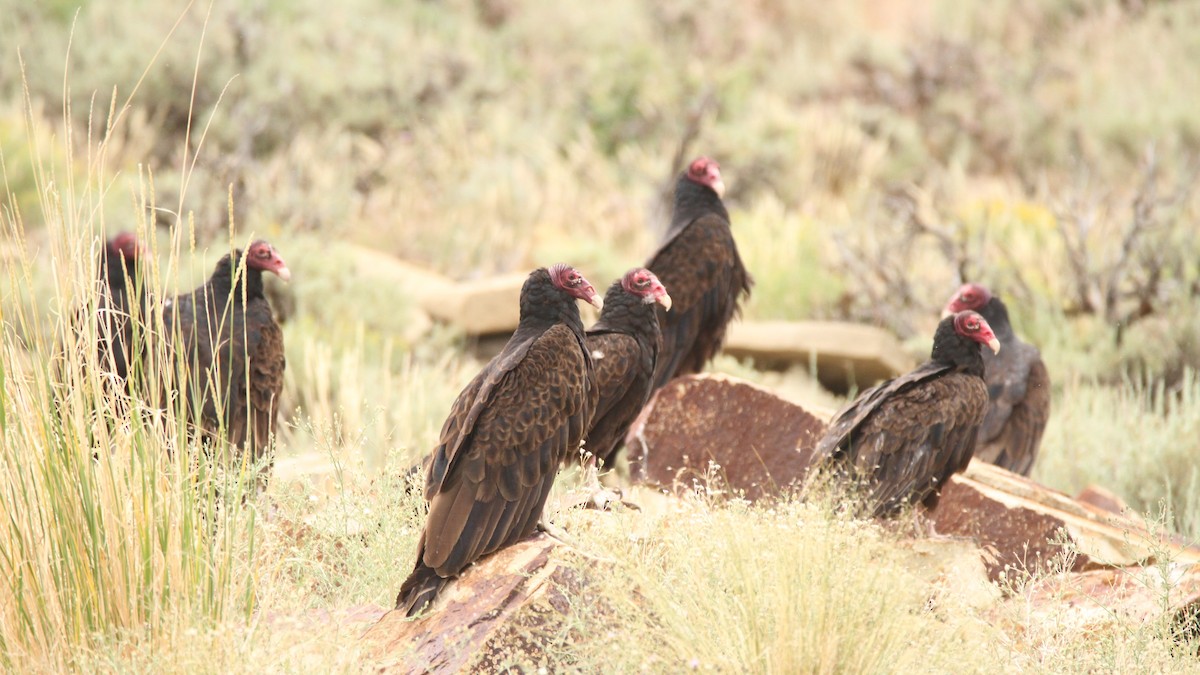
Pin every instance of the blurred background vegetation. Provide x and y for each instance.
(877, 154)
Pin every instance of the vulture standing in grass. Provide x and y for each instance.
(624, 345)
(1018, 386)
(507, 433)
(904, 438)
(699, 262)
(226, 339)
(122, 298)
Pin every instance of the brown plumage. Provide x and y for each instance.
(123, 297)
(229, 350)
(905, 437)
(624, 345)
(699, 263)
(1018, 387)
(506, 435)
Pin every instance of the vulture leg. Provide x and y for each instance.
(559, 536)
(599, 497)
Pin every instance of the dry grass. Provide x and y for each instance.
(483, 137)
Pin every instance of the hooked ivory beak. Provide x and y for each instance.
(284, 273)
(597, 301)
(664, 300)
(995, 345)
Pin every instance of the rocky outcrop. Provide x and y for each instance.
(1088, 603)
(721, 433)
(489, 616)
(704, 427)
(1025, 526)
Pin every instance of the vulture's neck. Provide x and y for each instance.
(625, 313)
(693, 200)
(961, 353)
(114, 267)
(996, 315)
(222, 280)
(541, 310)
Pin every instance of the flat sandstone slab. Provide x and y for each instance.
(845, 354)
(487, 306)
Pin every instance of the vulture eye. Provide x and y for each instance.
(972, 324)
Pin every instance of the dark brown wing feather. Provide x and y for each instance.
(624, 370)
(235, 364)
(265, 354)
(191, 327)
(496, 462)
(701, 268)
(848, 420)
(908, 436)
(1019, 409)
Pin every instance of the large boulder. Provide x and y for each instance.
(1029, 527)
(845, 355)
(718, 432)
(699, 427)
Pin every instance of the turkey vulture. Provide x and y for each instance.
(699, 262)
(905, 437)
(122, 293)
(624, 345)
(507, 434)
(1018, 386)
(226, 339)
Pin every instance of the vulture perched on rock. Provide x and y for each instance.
(904, 438)
(624, 345)
(225, 337)
(698, 261)
(123, 297)
(1018, 386)
(507, 433)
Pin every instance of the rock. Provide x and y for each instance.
(1109, 599)
(480, 307)
(846, 355)
(388, 269)
(1024, 525)
(761, 444)
(485, 307)
(489, 616)
(1106, 500)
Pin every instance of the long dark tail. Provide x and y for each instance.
(419, 589)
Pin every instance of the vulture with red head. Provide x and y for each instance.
(229, 350)
(123, 298)
(904, 438)
(699, 263)
(624, 345)
(1018, 387)
(523, 415)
